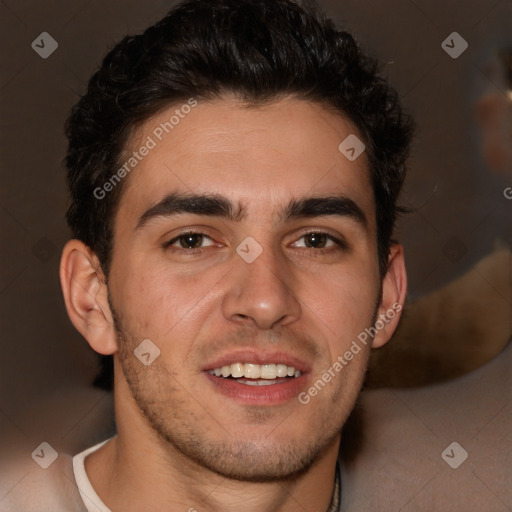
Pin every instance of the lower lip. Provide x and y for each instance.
(272, 394)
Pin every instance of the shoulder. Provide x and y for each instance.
(53, 488)
(70, 420)
(444, 447)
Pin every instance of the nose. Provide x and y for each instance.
(261, 294)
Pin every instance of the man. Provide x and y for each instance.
(234, 173)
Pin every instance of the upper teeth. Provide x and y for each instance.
(256, 371)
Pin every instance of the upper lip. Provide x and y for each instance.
(257, 357)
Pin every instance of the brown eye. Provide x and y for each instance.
(190, 241)
(319, 240)
(316, 240)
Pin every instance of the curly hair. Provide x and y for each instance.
(257, 50)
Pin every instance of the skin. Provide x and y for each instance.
(181, 443)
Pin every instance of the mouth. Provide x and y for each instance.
(251, 374)
(267, 382)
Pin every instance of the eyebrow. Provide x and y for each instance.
(339, 206)
(210, 205)
(220, 206)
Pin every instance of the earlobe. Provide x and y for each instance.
(394, 291)
(86, 297)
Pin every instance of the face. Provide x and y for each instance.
(245, 250)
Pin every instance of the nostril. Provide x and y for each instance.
(239, 318)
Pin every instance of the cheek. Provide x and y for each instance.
(344, 301)
(155, 300)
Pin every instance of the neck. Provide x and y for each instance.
(137, 470)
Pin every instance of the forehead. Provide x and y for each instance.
(261, 157)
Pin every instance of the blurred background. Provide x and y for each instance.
(456, 239)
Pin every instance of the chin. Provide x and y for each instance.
(251, 463)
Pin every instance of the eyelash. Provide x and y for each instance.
(340, 244)
(182, 250)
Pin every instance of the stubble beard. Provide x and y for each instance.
(173, 414)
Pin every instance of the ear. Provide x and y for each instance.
(86, 296)
(394, 290)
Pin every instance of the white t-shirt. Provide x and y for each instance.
(91, 500)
